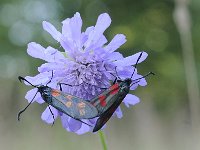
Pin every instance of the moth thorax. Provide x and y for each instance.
(45, 92)
(124, 87)
(128, 81)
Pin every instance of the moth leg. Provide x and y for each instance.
(78, 85)
(51, 78)
(60, 87)
(113, 75)
(109, 72)
(117, 73)
(114, 81)
(52, 115)
(82, 122)
(103, 88)
(59, 83)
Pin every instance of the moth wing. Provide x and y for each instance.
(74, 107)
(104, 117)
(106, 99)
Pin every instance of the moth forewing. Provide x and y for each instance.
(105, 116)
(103, 101)
(73, 106)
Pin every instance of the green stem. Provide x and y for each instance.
(102, 138)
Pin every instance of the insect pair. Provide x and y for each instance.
(102, 106)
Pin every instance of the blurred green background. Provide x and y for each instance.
(168, 115)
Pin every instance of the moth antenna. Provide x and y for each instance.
(137, 80)
(22, 78)
(19, 114)
(136, 64)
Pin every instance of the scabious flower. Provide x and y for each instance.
(87, 62)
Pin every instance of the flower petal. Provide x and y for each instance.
(41, 78)
(52, 30)
(36, 50)
(66, 30)
(85, 35)
(115, 56)
(126, 71)
(118, 112)
(134, 86)
(141, 82)
(51, 66)
(53, 55)
(74, 125)
(92, 121)
(47, 116)
(31, 93)
(131, 60)
(84, 128)
(75, 26)
(116, 42)
(131, 100)
(103, 22)
(49, 54)
(89, 30)
(102, 40)
(67, 44)
(64, 120)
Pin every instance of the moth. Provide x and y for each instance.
(68, 104)
(107, 102)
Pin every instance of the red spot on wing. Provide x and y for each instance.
(55, 93)
(81, 105)
(69, 97)
(102, 99)
(114, 89)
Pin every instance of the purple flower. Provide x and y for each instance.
(87, 62)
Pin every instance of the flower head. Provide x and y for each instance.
(87, 62)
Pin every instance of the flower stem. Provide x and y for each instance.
(183, 22)
(102, 138)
